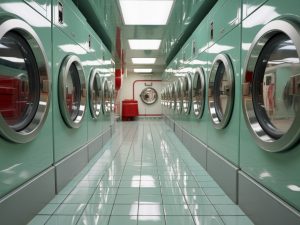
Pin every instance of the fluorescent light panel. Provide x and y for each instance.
(142, 70)
(144, 44)
(146, 12)
(143, 60)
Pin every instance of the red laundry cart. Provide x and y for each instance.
(129, 109)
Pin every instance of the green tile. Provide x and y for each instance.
(58, 199)
(128, 191)
(39, 219)
(213, 191)
(71, 199)
(125, 210)
(208, 220)
(173, 200)
(176, 210)
(151, 210)
(151, 220)
(150, 199)
(129, 183)
(109, 183)
(93, 220)
(48, 209)
(236, 220)
(106, 190)
(88, 183)
(169, 183)
(180, 220)
(123, 220)
(62, 220)
(98, 209)
(208, 184)
(131, 177)
(150, 183)
(127, 199)
(203, 210)
(105, 199)
(83, 190)
(192, 191)
(215, 199)
(203, 178)
(149, 191)
(197, 200)
(70, 209)
(189, 184)
(171, 191)
(229, 210)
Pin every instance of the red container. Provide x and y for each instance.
(129, 109)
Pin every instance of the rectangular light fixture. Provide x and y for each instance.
(146, 12)
(144, 44)
(142, 70)
(143, 60)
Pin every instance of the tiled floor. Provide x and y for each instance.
(144, 177)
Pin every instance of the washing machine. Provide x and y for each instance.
(26, 140)
(269, 143)
(70, 81)
(223, 84)
(196, 122)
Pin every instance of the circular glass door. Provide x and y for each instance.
(24, 82)
(221, 91)
(179, 94)
(271, 86)
(198, 93)
(187, 93)
(173, 96)
(149, 96)
(112, 96)
(106, 97)
(95, 94)
(168, 97)
(72, 91)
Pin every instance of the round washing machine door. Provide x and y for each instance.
(179, 95)
(106, 97)
(95, 94)
(72, 91)
(271, 86)
(149, 95)
(221, 91)
(198, 93)
(168, 96)
(187, 94)
(25, 83)
(173, 96)
(112, 96)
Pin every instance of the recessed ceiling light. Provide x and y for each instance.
(145, 44)
(143, 60)
(142, 70)
(146, 12)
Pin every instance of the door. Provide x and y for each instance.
(25, 83)
(271, 94)
(221, 91)
(72, 91)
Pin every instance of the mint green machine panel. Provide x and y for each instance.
(249, 6)
(277, 171)
(21, 162)
(41, 6)
(66, 139)
(223, 17)
(92, 66)
(225, 141)
(68, 18)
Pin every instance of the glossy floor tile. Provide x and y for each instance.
(143, 176)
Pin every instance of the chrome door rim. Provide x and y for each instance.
(65, 67)
(178, 95)
(217, 122)
(186, 101)
(95, 112)
(34, 127)
(200, 111)
(263, 140)
(106, 102)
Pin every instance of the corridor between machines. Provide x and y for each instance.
(143, 175)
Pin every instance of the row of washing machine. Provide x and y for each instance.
(235, 86)
(56, 90)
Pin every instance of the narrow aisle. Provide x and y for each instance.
(144, 176)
